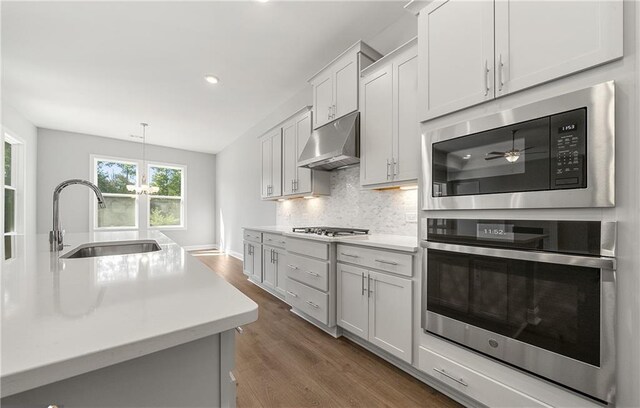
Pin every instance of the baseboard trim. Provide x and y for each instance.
(334, 331)
(236, 255)
(200, 247)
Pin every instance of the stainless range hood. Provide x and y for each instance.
(334, 145)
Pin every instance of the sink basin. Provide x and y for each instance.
(94, 249)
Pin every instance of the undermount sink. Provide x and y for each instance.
(94, 249)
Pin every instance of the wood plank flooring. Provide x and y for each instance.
(283, 361)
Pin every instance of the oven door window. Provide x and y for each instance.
(554, 307)
(510, 159)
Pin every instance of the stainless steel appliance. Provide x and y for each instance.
(559, 152)
(331, 231)
(538, 295)
(334, 145)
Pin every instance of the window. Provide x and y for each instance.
(12, 194)
(112, 178)
(166, 208)
(124, 208)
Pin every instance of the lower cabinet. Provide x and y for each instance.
(252, 264)
(274, 268)
(377, 307)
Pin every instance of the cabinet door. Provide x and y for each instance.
(353, 300)
(377, 127)
(266, 167)
(303, 132)
(280, 267)
(456, 63)
(276, 165)
(346, 87)
(289, 158)
(247, 260)
(406, 126)
(322, 100)
(268, 268)
(539, 41)
(390, 314)
(256, 272)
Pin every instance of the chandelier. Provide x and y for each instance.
(144, 187)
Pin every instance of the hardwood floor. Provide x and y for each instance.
(283, 361)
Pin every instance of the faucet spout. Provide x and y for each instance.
(56, 236)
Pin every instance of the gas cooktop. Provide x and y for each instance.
(331, 231)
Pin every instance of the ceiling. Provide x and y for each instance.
(101, 68)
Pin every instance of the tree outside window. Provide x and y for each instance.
(166, 208)
(121, 209)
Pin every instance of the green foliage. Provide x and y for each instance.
(169, 181)
(7, 164)
(113, 177)
(120, 212)
(164, 212)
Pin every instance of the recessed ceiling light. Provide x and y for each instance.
(212, 79)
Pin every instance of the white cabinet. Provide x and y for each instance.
(390, 129)
(583, 34)
(335, 87)
(271, 149)
(274, 268)
(377, 307)
(473, 51)
(252, 261)
(299, 181)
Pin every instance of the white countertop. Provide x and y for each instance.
(64, 317)
(403, 243)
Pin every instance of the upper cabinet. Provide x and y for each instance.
(473, 51)
(390, 132)
(271, 148)
(280, 161)
(335, 87)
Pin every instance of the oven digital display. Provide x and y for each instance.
(503, 232)
(567, 128)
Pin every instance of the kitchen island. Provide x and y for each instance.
(153, 329)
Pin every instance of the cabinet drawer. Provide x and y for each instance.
(309, 300)
(253, 236)
(273, 240)
(401, 264)
(308, 247)
(477, 386)
(308, 271)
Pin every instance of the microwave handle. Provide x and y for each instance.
(546, 257)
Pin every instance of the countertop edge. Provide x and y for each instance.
(38, 376)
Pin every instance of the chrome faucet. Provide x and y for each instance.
(57, 235)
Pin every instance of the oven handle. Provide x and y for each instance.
(547, 257)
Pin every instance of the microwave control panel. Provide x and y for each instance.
(568, 141)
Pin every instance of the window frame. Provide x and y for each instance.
(94, 179)
(18, 186)
(183, 196)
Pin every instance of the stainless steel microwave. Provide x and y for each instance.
(555, 153)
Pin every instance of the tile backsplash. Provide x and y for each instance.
(349, 205)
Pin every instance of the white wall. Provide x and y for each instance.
(64, 155)
(18, 126)
(238, 172)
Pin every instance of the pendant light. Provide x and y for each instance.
(144, 187)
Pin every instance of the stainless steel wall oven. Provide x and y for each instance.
(539, 295)
(558, 152)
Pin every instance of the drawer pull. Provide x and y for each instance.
(292, 266)
(282, 242)
(240, 330)
(232, 377)
(313, 274)
(269, 239)
(386, 262)
(349, 255)
(446, 374)
(292, 294)
(310, 303)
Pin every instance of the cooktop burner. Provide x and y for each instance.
(331, 231)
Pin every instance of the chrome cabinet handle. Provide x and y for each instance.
(282, 242)
(275, 256)
(334, 110)
(292, 266)
(486, 77)
(310, 303)
(388, 164)
(501, 68)
(369, 291)
(362, 284)
(268, 239)
(312, 273)
(386, 262)
(349, 255)
(240, 330)
(395, 167)
(446, 374)
(292, 294)
(329, 113)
